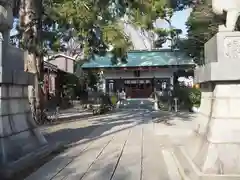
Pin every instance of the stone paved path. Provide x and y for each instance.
(122, 147)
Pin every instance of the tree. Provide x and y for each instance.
(179, 5)
(94, 24)
(202, 25)
(164, 10)
(31, 25)
(92, 79)
(98, 22)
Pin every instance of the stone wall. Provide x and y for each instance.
(15, 123)
(20, 140)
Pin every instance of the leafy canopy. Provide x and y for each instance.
(95, 26)
(98, 25)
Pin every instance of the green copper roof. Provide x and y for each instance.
(143, 58)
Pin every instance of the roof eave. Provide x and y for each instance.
(60, 55)
(120, 67)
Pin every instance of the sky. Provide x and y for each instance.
(143, 40)
(13, 31)
(179, 19)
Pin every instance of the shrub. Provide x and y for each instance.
(194, 97)
(188, 96)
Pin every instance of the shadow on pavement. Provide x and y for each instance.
(166, 117)
(71, 137)
(100, 127)
(102, 123)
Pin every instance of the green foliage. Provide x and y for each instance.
(181, 93)
(95, 26)
(144, 13)
(194, 97)
(97, 22)
(181, 4)
(90, 24)
(70, 85)
(92, 78)
(188, 96)
(167, 34)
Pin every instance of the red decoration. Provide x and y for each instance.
(46, 83)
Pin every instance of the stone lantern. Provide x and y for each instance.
(212, 152)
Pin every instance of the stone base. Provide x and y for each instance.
(18, 132)
(221, 55)
(222, 47)
(19, 135)
(190, 171)
(214, 72)
(213, 152)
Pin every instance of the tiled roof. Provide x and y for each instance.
(143, 58)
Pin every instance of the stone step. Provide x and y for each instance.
(153, 164)
(190, 171)
(170, 162)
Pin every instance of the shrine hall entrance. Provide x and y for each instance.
(138, 88)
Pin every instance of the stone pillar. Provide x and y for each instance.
(213, 152)
(19, 135)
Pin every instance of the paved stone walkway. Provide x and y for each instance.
(122, 147)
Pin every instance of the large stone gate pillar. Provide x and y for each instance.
(214, 149)
(19, 135)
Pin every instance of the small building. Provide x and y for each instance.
(63, 62)
(59, 73)
(144, 71)
(50, 76)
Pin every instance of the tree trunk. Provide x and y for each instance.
(30, 22)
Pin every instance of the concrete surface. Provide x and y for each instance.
(123, 145)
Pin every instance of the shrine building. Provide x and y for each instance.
(143, 72)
